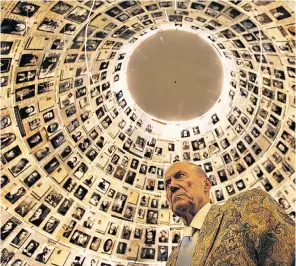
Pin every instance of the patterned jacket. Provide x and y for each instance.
(249, 229)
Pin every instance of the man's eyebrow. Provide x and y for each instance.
(174, 174)
(177, 173)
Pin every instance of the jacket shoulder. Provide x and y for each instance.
(252, 195)
(259, 202)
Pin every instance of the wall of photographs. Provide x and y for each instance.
(82, 167)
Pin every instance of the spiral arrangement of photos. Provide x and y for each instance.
(82, 166)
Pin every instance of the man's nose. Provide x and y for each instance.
(173, 186)
(173, 189)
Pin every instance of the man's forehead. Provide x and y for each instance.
(181, 166)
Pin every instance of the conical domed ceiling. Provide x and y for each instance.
(98, 98)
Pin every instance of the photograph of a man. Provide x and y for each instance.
(249, 229)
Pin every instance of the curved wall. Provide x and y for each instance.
(82, 166)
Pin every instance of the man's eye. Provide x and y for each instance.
(179, 175)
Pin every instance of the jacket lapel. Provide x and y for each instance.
(207, 235)
(173, 257)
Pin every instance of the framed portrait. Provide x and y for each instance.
(30, 248)
(39, 215)
(20, 238)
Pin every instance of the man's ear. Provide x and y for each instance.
(208, 184)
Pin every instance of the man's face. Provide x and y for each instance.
(186, 188)
(50, 224)
(7, 227)
(149, 235)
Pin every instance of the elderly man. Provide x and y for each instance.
(249, 229)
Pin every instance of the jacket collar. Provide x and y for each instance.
(207, 235)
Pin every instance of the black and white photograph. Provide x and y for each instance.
(25, 206)
(5, 64)
(108, 246)
(8, 227)
(30, 249)
(119, 202)
(49, 25)
(61, 8)
(5, 47)
(69, 229)
(51, 225)
(15, 194)
(11, 26)
(32, 178)
(150, 235)
(39, 215)
(152, 217)
(25, 9)
(80, 192)
(148, 253)
(78, 14)
(80, 239)
(44, 254)
(65, 206)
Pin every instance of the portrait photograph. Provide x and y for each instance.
(17, 262)
(65, 206)
(4, 180)
(12, 153)
(19, 167)
(5, 47)
(51, 225)
(53, 198)
(162, 253)
(70, 184)
(78, 14)
(5, 65)
(105, 204)
(45, 254)
(61, 8)
(49, 25)
(129, 213)
(69, 229)
(66, 152)
(121, 248)
(119, 202)
(141, 213)
(138, 233)
(32, 178)
(130, 177)
(108, 246)
(148, 253)
(152, 217)
(150, 235)
(140, 144)
(11, 26)
(51, 166)
(113, 229)
(58, 139)
(80, 239)
(20, 238)
(126, 232)
(39, 215)
(30, 248)
(8, 227)
(80, 192)
(95, 243)
(15, 194)
(89, 221)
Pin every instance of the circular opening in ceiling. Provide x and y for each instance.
(175, 75)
